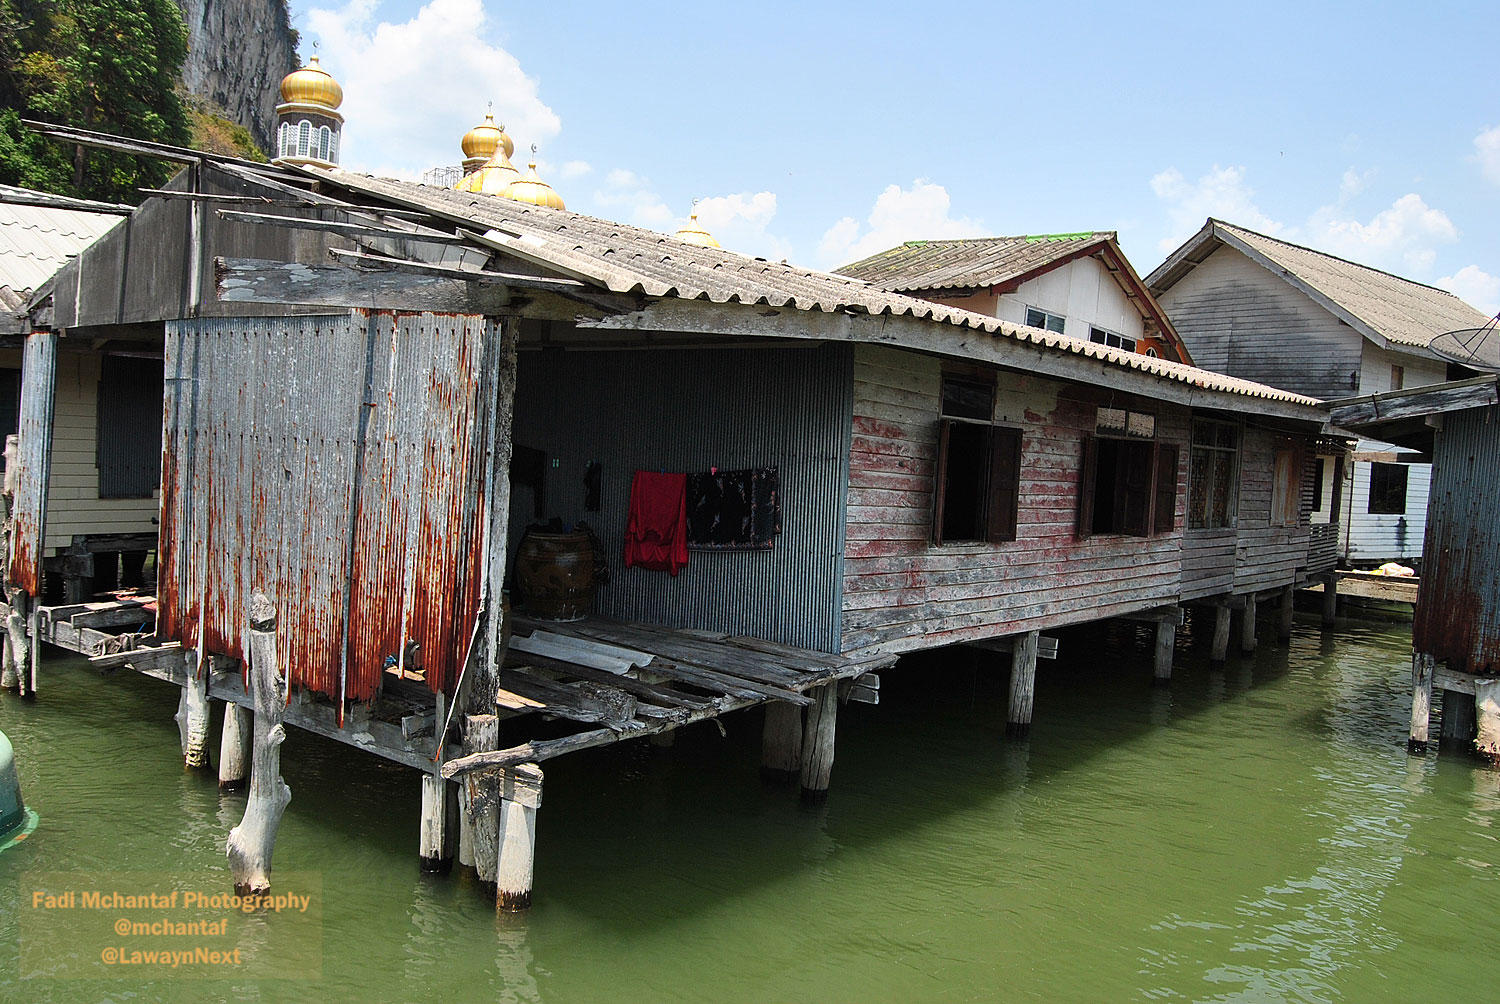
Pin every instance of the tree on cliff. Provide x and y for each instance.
(109, 65)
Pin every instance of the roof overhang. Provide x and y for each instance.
(1410, 417)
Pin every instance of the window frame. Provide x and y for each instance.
(1000, 457)
(1232, 503)
(1388, 490)
(1158, 495)
(1047, 316)
(1103, 335)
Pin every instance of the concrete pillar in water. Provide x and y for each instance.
(192, 714)
(781, 742)
(1166, 645)
(1284, 614)
(1022, 684)
(1422, 666)
(520, 797)
(1220, 650)
(1247, 626)
(1459, 725)
(1330, 600)
(817, 742)
(234, 747)
(439, 834)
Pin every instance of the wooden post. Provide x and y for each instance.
(781, 742)
(234, 747)
(482, 810)
(192, 714)
(17, 646)
(817, 742)
(250, 843)
(1220, 650)
(1487, 717)
(438, 836)
(1422, 666)
(1330, 600)
(1022, 684)
(520, 797)
(1284, 615)
(1459, 724)
(1166, 645)
(1247, 626)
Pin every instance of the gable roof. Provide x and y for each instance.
(971, 262)
(36, 241)
(1390, 311)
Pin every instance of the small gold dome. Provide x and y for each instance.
(533, 190)
(490, 178)
(311, 85)
(481, 142)
(694, 233)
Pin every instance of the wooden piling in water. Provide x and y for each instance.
(250, 843)
(482, 732)
(1330, 600)
(1487, 717)
(1284, 614)
(520, 797)
(817, 743)
(235, 738)
(1022, 685)
(1247, 626)
(438, 833)
(1166, 646)
(16, 647)
(1422, 666)
(781, 742)
(1220, 648)
(192, 714)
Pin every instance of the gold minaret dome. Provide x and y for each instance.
(311, 85)
(532, 190)
(490, 178)
(693, 232)
(481, 142)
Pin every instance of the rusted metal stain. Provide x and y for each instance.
(337, 462)
(38, 391)
(1458, 608)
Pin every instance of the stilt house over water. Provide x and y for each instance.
(348, 363)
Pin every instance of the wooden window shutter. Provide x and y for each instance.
(1134, 487)
(940, 480)
(1087, 473)
(1005, 484)
(1164, 519)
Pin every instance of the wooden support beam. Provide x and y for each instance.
(193, 724)
(817, 743)
(1219, 650)
(235, 752)
(252, 281)
(1022, 685)
(17, 645)
(250, 843)
(1046, 645)
(1156, 615)
(781, 742)
(1330, 600)
(1284, 615)
(1166, 646)
(1247, 625)
(340, 228)
(479, 802)
(439, 834)
(520, 797)
(1422, 666)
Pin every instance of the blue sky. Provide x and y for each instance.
(821, 133)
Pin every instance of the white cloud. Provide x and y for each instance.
(1221, 193)
(1475, 287)
(1401, 238)
(1487, 144)
(918, 213)
(441, 50)
(739, 222)
(575, 169)
(630, 198)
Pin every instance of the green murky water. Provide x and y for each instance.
(1254, 833)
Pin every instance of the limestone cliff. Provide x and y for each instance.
(238, 51)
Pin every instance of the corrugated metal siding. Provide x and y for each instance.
(689, 411)
(1458, 609)
(337, 463)
(38, 390)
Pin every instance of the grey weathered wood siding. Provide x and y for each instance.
(1238, 318)
(1266, 556)
(902, 593)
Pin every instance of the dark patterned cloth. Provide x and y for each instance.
(734, 510)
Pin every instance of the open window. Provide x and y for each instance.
(1128, 482)
(978, 476)
(1387, 489)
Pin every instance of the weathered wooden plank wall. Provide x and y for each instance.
(902, 593)
(1267, 556)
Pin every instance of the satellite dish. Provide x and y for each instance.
(1477, 348)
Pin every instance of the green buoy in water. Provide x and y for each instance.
(12, 809)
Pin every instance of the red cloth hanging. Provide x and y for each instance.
(656, 531)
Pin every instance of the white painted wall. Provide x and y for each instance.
(1376, 363)
(1083, 292)
(1372, 538)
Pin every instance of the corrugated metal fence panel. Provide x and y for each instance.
(1458, 609)
(336, 462)
(689, 411)
(38, 392)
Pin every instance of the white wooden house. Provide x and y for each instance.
(1263, 309)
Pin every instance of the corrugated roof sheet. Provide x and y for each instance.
(1383, 305)
(968, 262)
(36, 242)
(627, 259)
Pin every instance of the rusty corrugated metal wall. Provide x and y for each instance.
(1458, 608)
(689, 410)
(338, 463)
(38, 393)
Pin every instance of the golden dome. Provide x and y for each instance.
(311, 85)
(492, 177)
(481, 142)
(533, 190)
(693, 233)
